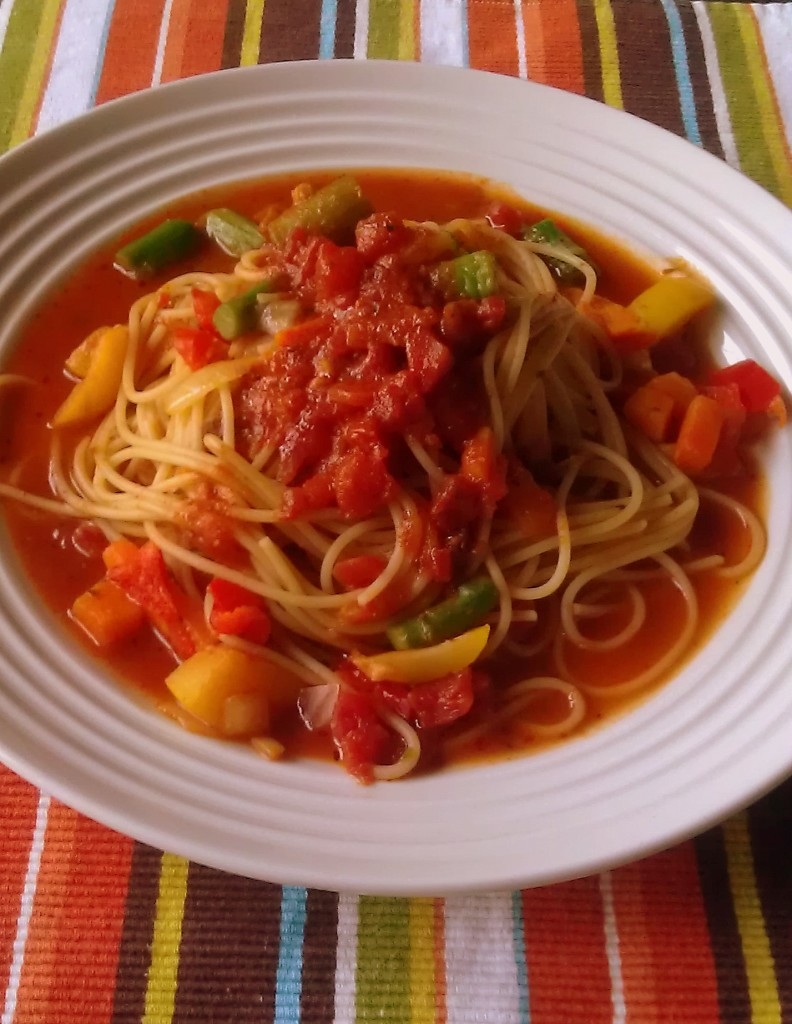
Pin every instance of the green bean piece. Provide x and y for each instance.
(457, 614)
(233, 232)
(171, 241)
(547, 232)
(332, 211)
(472, 276)
(238, 315)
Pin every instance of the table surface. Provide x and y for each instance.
(95, 927)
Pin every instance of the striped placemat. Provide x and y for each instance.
(97, 928)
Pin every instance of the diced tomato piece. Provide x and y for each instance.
(337, 275)
(197, 346)
(238, 611)
(505, 217)
(359, 570)
(530, 507)
(204, 306)
(481, 464)
(428, 358)
(380, 234)
(432, 704)
(361, 483)
(315, 493)
(360, 737)
(469, 324)
(757, 387)
(145, 578)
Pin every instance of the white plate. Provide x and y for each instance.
(712, 740)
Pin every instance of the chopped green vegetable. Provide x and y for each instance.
(333, 211)
(171, 241)
(472, 276)
(547, 232)
(457, 614)
(233, 232)
(238, 315)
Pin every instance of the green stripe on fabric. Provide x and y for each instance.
(39, 60)
(383, 960)
(383, 29)
(738, 77)
(765, 98)
(15, 61)
(251, 33)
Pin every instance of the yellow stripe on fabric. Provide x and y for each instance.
(251, 33)
(765, 101)
(609, 53)
(759, 964)
(422, 975)
(39, 61)
(163, 969)
(407, 30)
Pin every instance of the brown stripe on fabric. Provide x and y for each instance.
(134, 954)
(289, 31)
(702, 94)
(345, 28)
(770, 822)
(733, 997)
(589, 44)
(317, 999)
(229, 949)
(646, 62)
(232, 37)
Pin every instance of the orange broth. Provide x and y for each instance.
(96, 293)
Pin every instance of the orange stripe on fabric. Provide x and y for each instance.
(553, 45)
(195, 38)
(667, 963)
(18, 804)
(492, 40)
(568, 974)
(71, 954)
(131, 48)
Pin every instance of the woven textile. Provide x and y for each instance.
(95, 928)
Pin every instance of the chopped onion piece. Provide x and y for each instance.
(316, 703)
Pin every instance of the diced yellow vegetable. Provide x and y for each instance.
(422, 664)
(670, 303)
(245, 714)
(79, 360)
(203, 683)
(95, 394)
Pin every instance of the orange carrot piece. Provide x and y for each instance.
(698, 435)
(651, 411)
(680, 388)
(106, 613)
(118, 552)
(622, 326)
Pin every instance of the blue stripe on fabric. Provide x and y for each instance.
(464, 33)
(521, 960)
(682, 71)
(288, 978)
(327, 29)
(101, 53)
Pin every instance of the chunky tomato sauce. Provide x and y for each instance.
(331, 457)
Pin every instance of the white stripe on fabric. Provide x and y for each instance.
(522, 57)
(720, 106)
(775, 25)
(26, 909)
(5, 15)
(76, 63)
(162, 40)
(444, 32)
(612, 948)
(481, 968)
(346, 959)
(360, 48)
